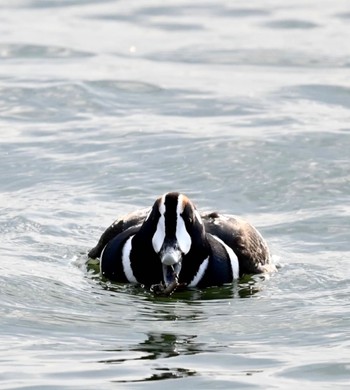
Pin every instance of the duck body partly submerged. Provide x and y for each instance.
(173, 244)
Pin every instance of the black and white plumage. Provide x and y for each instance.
(174, 241)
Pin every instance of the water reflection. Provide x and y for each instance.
(166, 373)
(175, 326)
(158, 346)
(161, 346)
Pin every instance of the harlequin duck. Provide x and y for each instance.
(177, 245)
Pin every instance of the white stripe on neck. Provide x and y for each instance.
(232, 256)
(199, 275)
(126, 261)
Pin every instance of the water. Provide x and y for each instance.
(104, 106)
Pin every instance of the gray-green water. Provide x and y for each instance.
(105, 105)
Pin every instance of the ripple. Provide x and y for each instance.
(61, 3)
(64, 101)
(129, 86)
(18, 51)
(138, 19)
(242, 106)
(336, 372)
(328, 94)
(55, 102)
(290, 24)
(343, 15)
(244, 12)
(244, 57)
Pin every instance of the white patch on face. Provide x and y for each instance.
(232, 256)
(183, 238)
(200, 273)
(159, 235)
(126, 261)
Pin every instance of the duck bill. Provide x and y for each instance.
(171, 265)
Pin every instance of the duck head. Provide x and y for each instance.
(177, 226)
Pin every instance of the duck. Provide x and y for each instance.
(172, 245)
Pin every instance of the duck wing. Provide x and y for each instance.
(118, 226)
(243, 238)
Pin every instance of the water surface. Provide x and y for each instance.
(104, 106)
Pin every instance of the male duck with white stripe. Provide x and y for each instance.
(174, 245)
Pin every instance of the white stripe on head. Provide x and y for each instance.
(148, 213)
(198, 216)
(200, 273)
(159, 235)
(183, 238)
(126, 261)
(232, 256)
